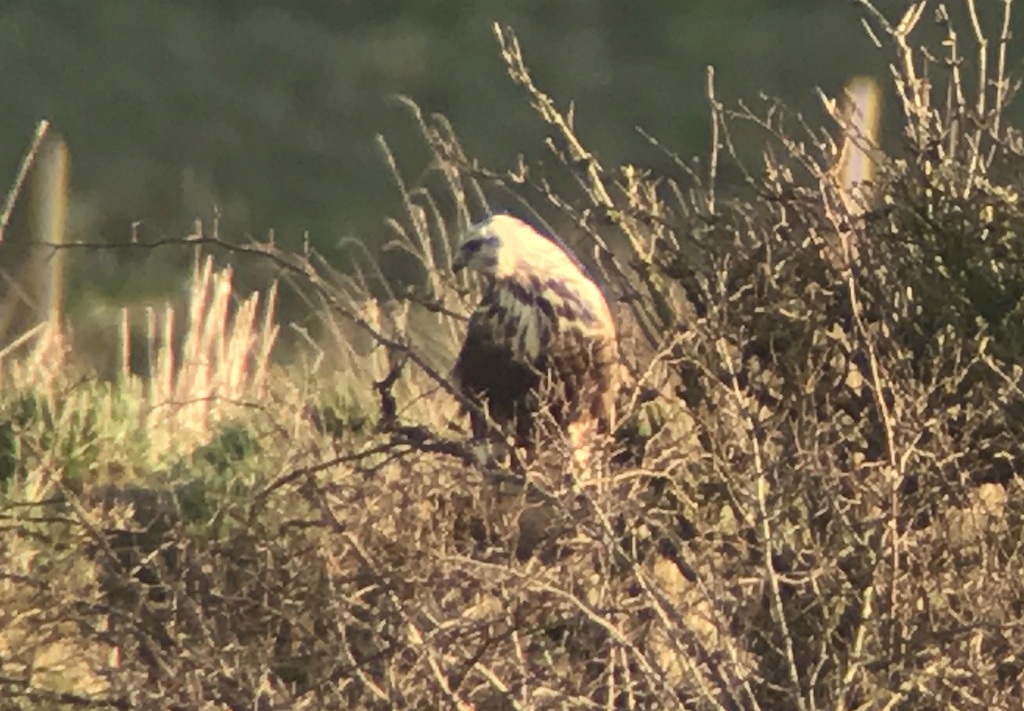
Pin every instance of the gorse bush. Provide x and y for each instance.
(812, 500)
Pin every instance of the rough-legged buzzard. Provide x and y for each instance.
(542, 337)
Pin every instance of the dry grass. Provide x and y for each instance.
(224, 358)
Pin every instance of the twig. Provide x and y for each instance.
(716, 119)
(26, 163)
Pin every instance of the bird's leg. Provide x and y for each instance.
(483, 447)
(522, 445)
(583, 442)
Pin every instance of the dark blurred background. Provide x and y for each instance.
(268, 110)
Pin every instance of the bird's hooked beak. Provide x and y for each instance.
(471, 244)
(462, 257)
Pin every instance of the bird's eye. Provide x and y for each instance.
(472, 246)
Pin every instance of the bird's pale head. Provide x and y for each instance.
(479, 253)
(503, 247)
(486, 248)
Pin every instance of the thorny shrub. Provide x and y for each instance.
(812, 500)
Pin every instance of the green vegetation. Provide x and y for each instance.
(813, 500)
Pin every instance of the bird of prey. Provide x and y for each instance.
(542, 338)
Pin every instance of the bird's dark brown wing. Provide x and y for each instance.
(488, 375)
(583, 370)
